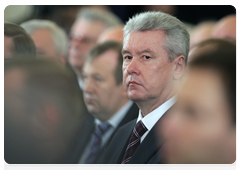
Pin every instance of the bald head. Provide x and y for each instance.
(225, 28)
(112, 34)
(201, 32)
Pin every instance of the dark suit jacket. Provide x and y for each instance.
(148, 152)
(89, 126)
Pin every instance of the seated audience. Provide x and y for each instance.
(43, 112)
(225, 28)
(17, 43)
(51, 40)
(201, 127)
(89, 24)
(106, 100)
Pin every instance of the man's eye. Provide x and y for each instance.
(146, 57)
(128, 57)
(98, 79)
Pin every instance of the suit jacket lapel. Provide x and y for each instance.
(123, 142)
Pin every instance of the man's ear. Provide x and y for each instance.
(179, 67)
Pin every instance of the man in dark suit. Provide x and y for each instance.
(155, 50)
(106, 100)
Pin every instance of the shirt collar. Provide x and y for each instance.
(118, 116)
(151, 119)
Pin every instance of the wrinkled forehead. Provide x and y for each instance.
(141, 40)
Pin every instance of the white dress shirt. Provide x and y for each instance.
(151, 119)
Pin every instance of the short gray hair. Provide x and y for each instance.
(92, 14)
(58, 35)
(177, 36)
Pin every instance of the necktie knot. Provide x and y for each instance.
(101, 129)
(140, 129)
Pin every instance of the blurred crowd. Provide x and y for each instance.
(96, 85)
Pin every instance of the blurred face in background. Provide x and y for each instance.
(44, 44)
(7, 46)
(101, 93)
(225, 28)
(199, 128)
(83, 37)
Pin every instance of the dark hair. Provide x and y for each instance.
(221, 57)
(102, 48)
(23, 45)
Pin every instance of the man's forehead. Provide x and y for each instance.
(84, 26)
(149, 36)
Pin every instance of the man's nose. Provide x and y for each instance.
(134, 66)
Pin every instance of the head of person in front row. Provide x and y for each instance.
(155, 52)
(50, 39)
(102, 76)
(43, 110)
(87, 27)
(17, 43)
(201, 128)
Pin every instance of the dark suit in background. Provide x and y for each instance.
(87, 130)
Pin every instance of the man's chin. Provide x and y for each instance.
(136, 97)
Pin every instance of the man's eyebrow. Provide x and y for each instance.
(145, 51)
(125, 51)
(140, 52)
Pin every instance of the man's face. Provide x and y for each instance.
(101, 93)
(198, 129)
(147, 72)
(83, 37)
(44, 44)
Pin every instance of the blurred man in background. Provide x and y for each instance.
(43, 111)
(111, 34)
(201, 127)
(225, 28)
(17, 43)
(201, 32)
(89, 24)
(51, 40)
(105, 98)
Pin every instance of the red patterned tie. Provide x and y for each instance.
(134, 141)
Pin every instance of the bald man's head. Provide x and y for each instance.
(112, 34)
(225, 28)
(201, 32)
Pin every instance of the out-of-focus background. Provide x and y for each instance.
(64, 15)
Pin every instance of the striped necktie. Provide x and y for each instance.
(134, 141)
(96, 142)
